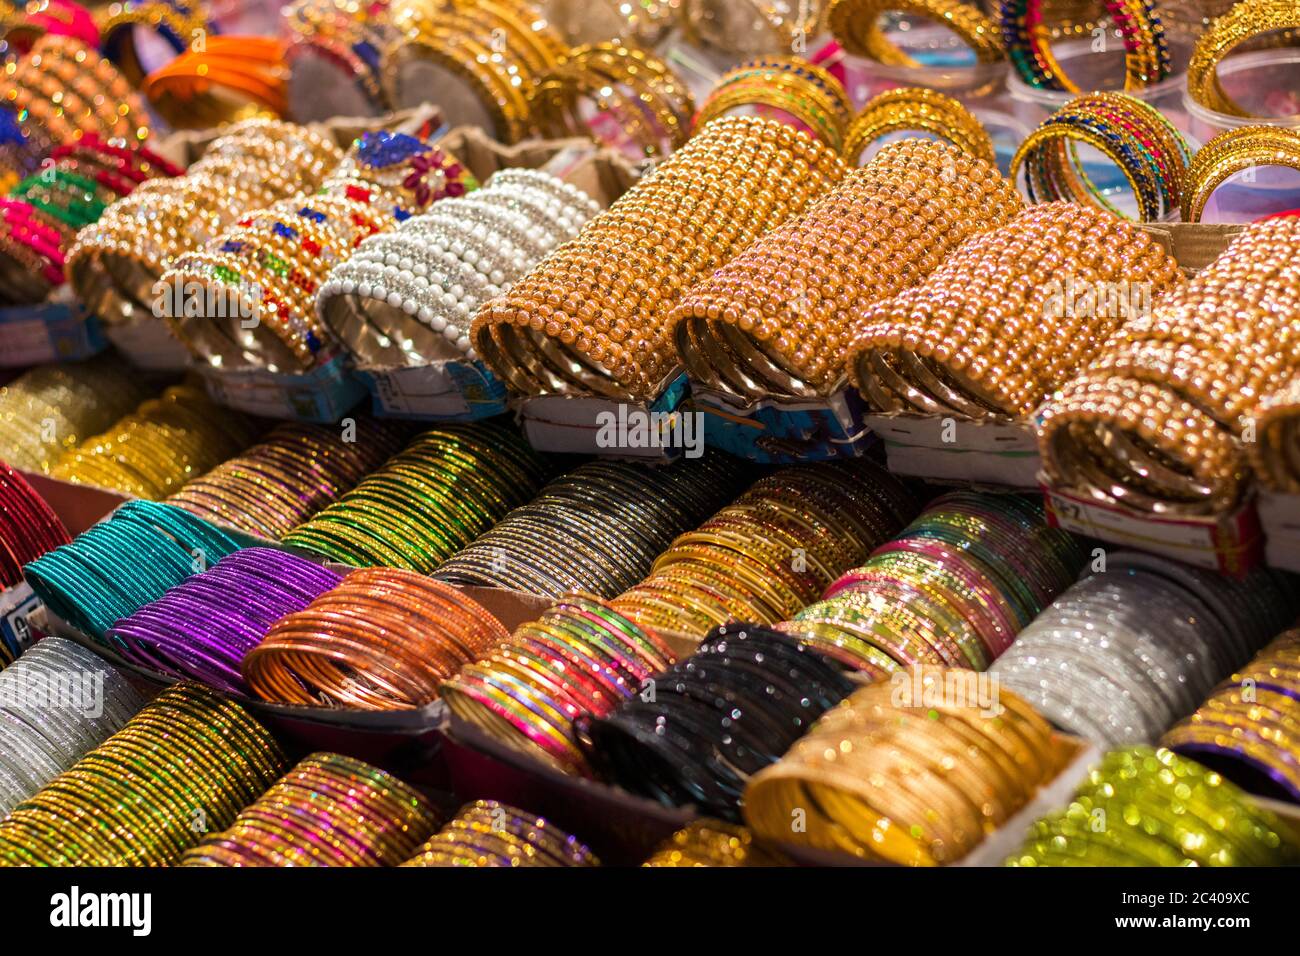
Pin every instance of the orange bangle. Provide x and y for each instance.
(186, 90)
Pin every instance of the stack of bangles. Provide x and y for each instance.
(783, 87)
(487, 833)
(593, 316)
(65, 89)
(294, 472)
(915, 771)
(1136, 137)
(915, 109)
(1152, 807)
(333, 40)
(778, 318)
(856, 25)
(1070, 276)
(597, 528)
(329, 810)
(61, 18)
(67, 404)
(232, 78)
(1232, 152)
(121, 564)
(276, 259)
(493, 52)
(28, 528)
(954, 589)
(709, 843)
(608, 86)
(1123, 654)
(42, 213)
(1241, 23)
(1155, 423)
(382, 639)
(177, 23)
(407, 297)
(114, 265)
(160, 446)
(186, 764)
(1026, 38)
(1275, 453)
(43, 732)
(750, 27)
(1249, 727)
(203, 627)
(772, 551)
(447, 487)
(700, 730)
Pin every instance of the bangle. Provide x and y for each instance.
(714, 719)
(1146, 49)
(643, 24)
(290, 475)
(916, 108)
(425, 504)
(346, 37)
(383, 639)
(52, 409)
(593, 316)
(57, 702)
(28, 528)
(794, 87)
(713, 843)
(61, 18)
(203, 628)
(855, 24)
(158, 447)
(1241, 23)
(178, 23)
(184, 764)
(409, 295)
(1231, 152)
(1122, 655)
(1154, 423)
(1275, 453)
(1136, 137)
(647, 103)
(487, 833)
(1135, 792)
(232, 78)
(914, 771)
(953, 589)
(770, 28)
(595, 529)
(779, 318)
(1007, 353)
(329, 810)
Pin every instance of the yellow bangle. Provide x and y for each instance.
(1231, 152)
(917, 108)
(855, 24)
(1245, 21)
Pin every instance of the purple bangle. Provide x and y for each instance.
(203, 627)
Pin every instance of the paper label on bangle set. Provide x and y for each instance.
(1279, 515)
(50, 332)
(444, 391)
(149, 344)
(322, 395)
(943, 448)
(785, 431)
(16, 606)
(590, 425)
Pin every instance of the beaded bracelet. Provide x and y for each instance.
(294, 472)
(383, 639)
(123, 563)
(915, 771)
(1145, 807)
(954, 589)
(918, 109)
(1274, 455)
(165, 442)
(329, 810)
(1120, 656)
(697, 732)
(57, 702)
(184, 765)
(783, 85)
(1146, 49)
(203, 627)
(1155, 423)
(1072, 277)
(596, 529)
(778, 318)
(593, 316)
(446, 488)
(51, 409)
(408, 296)
(1149, 151)
(487, 833)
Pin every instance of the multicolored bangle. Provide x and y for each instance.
(786, 88)
(487, 833)
(1146, 49)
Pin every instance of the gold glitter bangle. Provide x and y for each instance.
(916, 108)
(1232, 152)
(855, 24)
(1242, 23)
